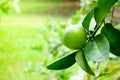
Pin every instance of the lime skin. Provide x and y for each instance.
(74, 37)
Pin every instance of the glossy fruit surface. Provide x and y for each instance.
(75, 37)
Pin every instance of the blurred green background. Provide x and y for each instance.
(30, 39)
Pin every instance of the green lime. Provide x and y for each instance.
(75, 37)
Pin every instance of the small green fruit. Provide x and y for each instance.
(75, 37)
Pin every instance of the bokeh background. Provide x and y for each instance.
(31, 38)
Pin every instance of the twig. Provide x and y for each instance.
(112, 15)
(96, 29)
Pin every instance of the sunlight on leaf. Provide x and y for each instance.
(97, 49)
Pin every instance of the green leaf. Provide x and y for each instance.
(63, 62)
(106, 4)
(100, 14)
(97, 49)
(103, 6)
(113, 36)
(87, 20)
(81, 60)
(115, 50)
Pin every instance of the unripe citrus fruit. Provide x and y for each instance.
(75, 37)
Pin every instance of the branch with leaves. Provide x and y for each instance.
(98, 46)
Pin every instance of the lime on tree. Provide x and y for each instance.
(75, 37)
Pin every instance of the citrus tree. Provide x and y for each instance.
(94, 43)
